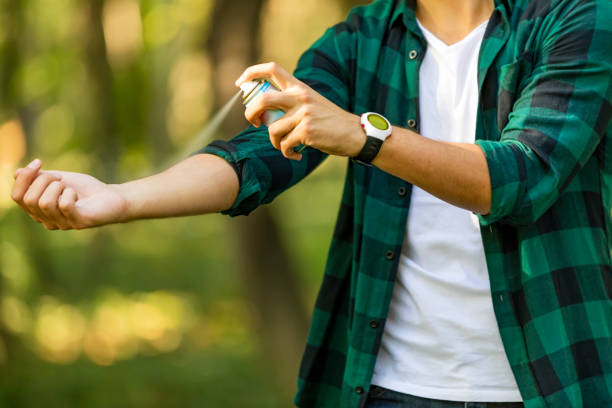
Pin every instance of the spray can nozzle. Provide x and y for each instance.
(248, 87)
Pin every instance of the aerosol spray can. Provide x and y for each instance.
(252, 90)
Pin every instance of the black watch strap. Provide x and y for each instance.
(369, 151)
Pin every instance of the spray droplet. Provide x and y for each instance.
(208, 132)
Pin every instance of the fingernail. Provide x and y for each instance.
(34, 164)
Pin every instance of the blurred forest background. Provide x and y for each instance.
(204, 311)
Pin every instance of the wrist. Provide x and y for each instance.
(128, 212)
(358, 137)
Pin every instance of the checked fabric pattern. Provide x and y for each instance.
(545, 78)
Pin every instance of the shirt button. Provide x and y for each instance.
(402, 191)
(412, 124)
(374, 324)
(359, 390)
(390, 255)
(413, 54)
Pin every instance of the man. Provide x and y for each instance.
(420, 306)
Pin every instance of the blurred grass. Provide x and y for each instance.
(214, 378)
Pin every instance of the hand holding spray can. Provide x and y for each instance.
(251, 90)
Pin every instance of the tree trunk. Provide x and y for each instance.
(265, 267)
(103, 130)
(10, 347)
(104, 126)
(160, 145)
(12, 106)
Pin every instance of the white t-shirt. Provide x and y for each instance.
(441, 339)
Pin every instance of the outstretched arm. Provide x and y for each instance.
(60, 200)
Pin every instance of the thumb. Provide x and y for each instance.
(67, 204)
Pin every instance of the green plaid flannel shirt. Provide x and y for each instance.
(545, 78)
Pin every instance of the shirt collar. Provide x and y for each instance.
(406, 9)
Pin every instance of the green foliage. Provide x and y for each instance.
(150, 314)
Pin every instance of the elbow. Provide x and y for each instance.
(526, 213)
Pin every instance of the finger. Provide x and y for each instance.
(67, 206)
(269, 101)
(50, 226)
(270, 70)
(23, 179)
(281, 128)
(35, 192)
(58, 174)
(49, 204)
(35, 219)
(54, 173)
(290, 142)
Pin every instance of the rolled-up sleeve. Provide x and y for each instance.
(559, 118)
(262, 170)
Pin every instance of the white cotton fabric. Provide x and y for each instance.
(441, 339)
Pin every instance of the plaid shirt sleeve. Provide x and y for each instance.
(262, 170)
(559, 117)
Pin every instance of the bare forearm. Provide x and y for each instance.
(454, 172)
(198, 185)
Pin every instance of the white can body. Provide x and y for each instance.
(264, 86)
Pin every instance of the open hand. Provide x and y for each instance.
(63, 200)
(310, 119)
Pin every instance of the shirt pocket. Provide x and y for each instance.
(511, 80)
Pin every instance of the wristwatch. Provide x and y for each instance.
(377, 129)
